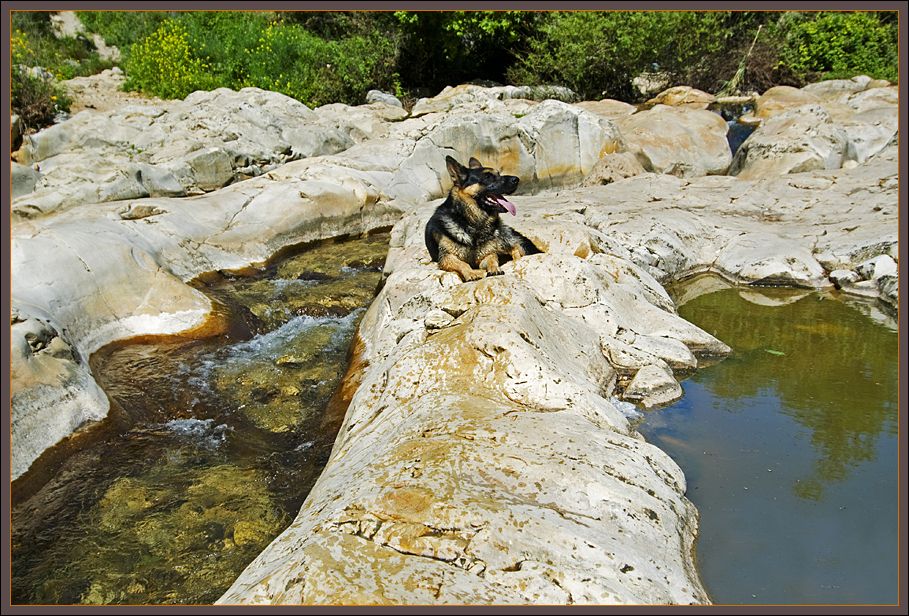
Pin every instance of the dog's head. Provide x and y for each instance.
(484, 185)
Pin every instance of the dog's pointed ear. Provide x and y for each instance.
(473, 163)
(457, 171)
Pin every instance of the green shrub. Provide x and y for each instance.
(35, 100)
(293, 61)
(841, 45)
(336, 25)
(164, 64)
(205, 50)
(223, 40)
(363, 63)
(599, 53)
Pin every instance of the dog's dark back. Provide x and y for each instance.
(469, 222)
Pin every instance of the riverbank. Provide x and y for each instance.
(456, 375)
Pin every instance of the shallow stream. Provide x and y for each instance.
(211, 444)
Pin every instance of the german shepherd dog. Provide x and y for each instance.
(465, 234)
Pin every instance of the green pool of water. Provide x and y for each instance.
(210, 447)
(790, 446)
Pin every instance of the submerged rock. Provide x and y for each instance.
(227, 509)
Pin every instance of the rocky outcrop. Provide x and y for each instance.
(822, 126)
(97, 273)
(682, 142)
(552, 144)
(682, 96)
(211, 139)
(614, 167)
(792, 230)
(801, 139)
(378, 96)
(453, 97)
(779, 99)
(482, 458)
(103, 92)
(608, 108)
(439, 484)
(170, 149)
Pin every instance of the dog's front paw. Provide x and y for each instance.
(517, 252)
(474, 274)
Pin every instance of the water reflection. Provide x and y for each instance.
(833, 372)
(790, 448)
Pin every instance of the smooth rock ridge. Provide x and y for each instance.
(483, 458)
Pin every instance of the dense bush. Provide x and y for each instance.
(334, 25)
(205, 50)
(289, 59)
(337, 56)
(841, 45)
(598, 54)
(451, 47)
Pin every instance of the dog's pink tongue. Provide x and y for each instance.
(508, 205)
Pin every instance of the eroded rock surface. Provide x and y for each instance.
(100, 272)
(484, 457)
(443, 463)
(824, 125)
(679, 141)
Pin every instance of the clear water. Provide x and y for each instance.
(211, 445)
(790, 447)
